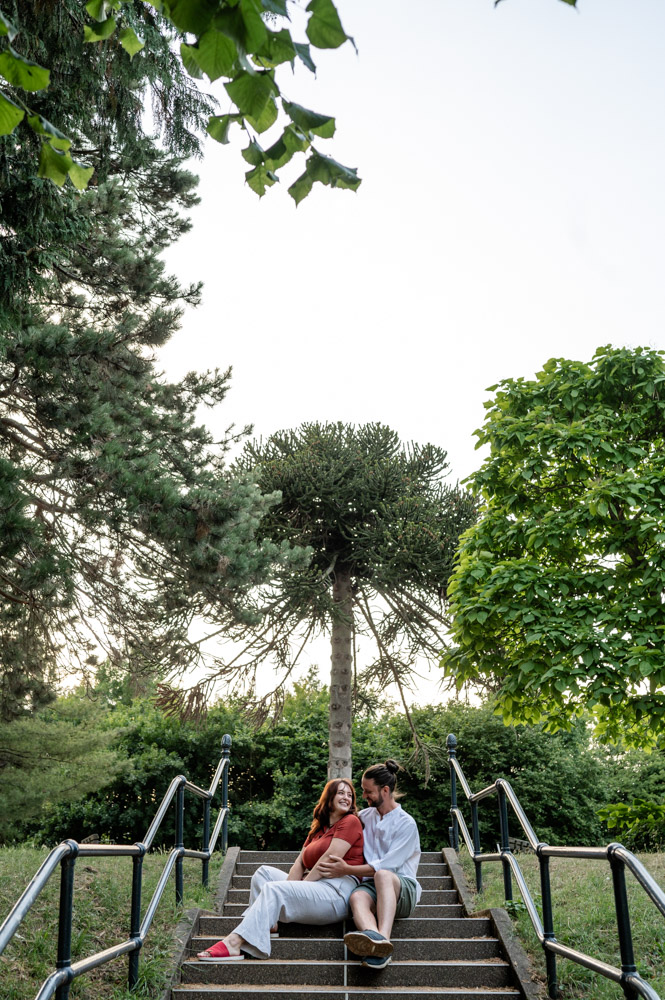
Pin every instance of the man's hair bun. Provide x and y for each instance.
(384, 774)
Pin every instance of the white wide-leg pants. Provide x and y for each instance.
(273, 898)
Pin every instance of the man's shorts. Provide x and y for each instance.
(406, 902)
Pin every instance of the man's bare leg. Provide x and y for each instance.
(387, 894)
(363, 909)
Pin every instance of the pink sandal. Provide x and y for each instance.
(218, 953)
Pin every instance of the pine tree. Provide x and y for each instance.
(118, 522)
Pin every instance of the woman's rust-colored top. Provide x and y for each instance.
(348, 828)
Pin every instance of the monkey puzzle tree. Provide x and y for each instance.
(557, 598)
(382, 529)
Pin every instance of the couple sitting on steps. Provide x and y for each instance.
(364, 861)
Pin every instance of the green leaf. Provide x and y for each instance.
(324, 28)
(190, 61)
(253, 154)
(243, 23)
(79, 175)
(7, 28)
(303, 52)
(310, 121)
(251, 93)
(275, 7)
(192, 16)
(291, 141)
(218, 126)
(54, 165)
(10, 115)
(99, 32)
(100, 9)
(324, 170)
(278, 48)
(216, 54)
(43, 127)
(267, 117)
(22, 72)
(259, 179)
(301, 187)
(130, 41)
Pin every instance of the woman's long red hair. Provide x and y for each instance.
(323, 807)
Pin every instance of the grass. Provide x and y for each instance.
(101, 918)
(584, 918)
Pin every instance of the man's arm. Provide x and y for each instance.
(338, 847)
(332, 866)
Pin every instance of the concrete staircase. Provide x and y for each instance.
(438, 951)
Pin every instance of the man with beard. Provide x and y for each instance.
(389, 889)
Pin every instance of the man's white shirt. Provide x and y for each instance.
(392, 842)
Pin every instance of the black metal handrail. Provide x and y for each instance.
(617, 855)
(65, 855)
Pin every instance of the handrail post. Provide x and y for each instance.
(179, 841)
(505, 842)
(623, 919)
(453, 830)
(226, 754)
(548, 922)
(64, 956)
(206, 841)
(476, 846)
(135, 916)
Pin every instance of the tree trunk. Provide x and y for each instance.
(341, 678)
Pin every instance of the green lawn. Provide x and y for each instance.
(101, 918)
(584, 918)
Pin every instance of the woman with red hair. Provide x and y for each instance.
(304, 895)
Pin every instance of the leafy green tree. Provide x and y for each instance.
(58, 755)
(244, 42)
(557, 599)
(118, 521)
(381, 528)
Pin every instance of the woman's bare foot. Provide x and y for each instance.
(226, 950)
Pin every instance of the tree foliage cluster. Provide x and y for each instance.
(277, 772)
(557, 599)
(243, 42)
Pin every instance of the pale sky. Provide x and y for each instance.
(512, 209)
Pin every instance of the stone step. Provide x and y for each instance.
(430, 897)
(310, 973)
(412, 927)
(406, 949)
(421, 910)
(272, 857)
(425, 869)
(426, 881)
(238, 991)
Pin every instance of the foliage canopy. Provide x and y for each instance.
(558, 594)
(244, 42)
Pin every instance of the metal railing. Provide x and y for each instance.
(632, 984)
(65, 855)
